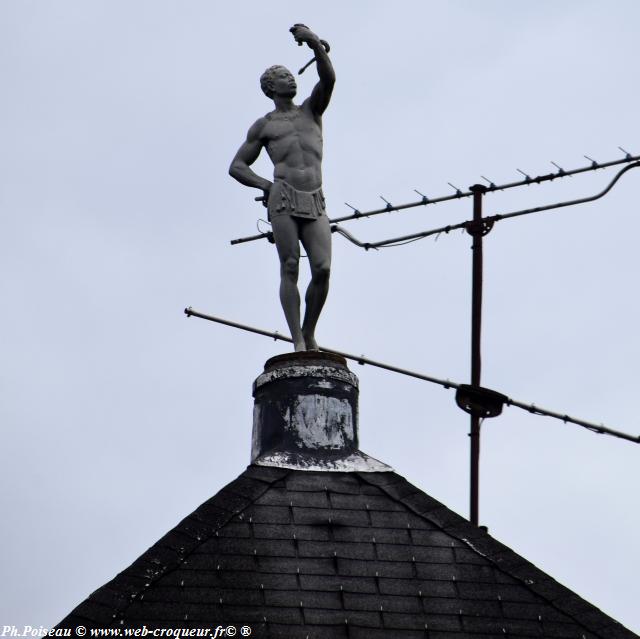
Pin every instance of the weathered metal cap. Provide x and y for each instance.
(302, 357)
(306, 414)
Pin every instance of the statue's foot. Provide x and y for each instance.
(300, 345)
(311, 344)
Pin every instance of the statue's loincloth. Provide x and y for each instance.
(285, 200)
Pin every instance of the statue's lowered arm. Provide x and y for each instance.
(247, 154)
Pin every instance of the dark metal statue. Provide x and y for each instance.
(292, 136)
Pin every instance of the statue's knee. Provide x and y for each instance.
(321, 272)
(290, 267)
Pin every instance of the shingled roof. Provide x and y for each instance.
(331, 555)
(317, 540)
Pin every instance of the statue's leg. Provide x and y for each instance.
(285, 234)
(316, 239)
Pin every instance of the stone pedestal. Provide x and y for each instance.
(306, 415)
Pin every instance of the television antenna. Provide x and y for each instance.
(479, 402)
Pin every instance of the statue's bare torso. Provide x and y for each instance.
(293, 140)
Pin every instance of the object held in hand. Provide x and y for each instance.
(264, 199)
(324, 43)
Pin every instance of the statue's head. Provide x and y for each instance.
(278, 80)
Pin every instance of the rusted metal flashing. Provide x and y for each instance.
(356, 461)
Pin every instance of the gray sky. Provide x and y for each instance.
(117, 124)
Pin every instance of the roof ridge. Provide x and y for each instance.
(169, 552)
(506, 560)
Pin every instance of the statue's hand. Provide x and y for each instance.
(302, 33)
(265, 195)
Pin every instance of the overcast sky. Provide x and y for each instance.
(120, 416)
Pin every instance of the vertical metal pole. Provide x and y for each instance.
(476, 361)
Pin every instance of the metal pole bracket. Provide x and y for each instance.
(479, 401)
(481, 227)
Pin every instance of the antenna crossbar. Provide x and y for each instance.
(488, 220)
(596, 428)
(445, 383)
(527, 181)
(360, 359)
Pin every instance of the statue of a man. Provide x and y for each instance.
(292, 136)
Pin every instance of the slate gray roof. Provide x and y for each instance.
(329, 555)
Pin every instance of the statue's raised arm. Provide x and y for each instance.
(292, 136)
(321, 94)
